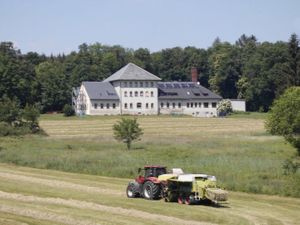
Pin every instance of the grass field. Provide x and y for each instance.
(237, 150)
(44, 197)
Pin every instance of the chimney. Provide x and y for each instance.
(194, 74)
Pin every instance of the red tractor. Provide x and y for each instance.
(147, 186)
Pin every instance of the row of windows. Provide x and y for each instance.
(136, 94)
(138, 84)
(138, 105)
(189, 105)
(101, 105)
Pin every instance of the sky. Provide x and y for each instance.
(60, 26)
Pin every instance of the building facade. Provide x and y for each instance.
(134, 91)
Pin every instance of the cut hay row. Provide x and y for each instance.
(68, 198)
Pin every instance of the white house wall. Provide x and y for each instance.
(193, 107)
(135, 95)
(104, 107)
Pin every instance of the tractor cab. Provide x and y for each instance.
(154, 171)
(151, 173)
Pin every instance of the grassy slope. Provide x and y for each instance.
(237, 150)
(34, 196)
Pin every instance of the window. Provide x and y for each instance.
(141, 84)
(161, 104)
(199, 104)
(141, 93)
(152, 94)
(173, 105)
(152, 105)
(147, 105)
(125, 94)
(136, 84)
(214, 104)
(130, 84)
(114, 105)
(147, 94)
(205, 104)
(146, 84)
(125, 84)
(101, 106)
(152, 84)
(107, 105)
(196, 104)
(139, 105)
(130, 94)
(188, 105)
(125, 105)
(131, 106)
(168, 105)
(179, 105)
(192, 105)
(95, 105)
(136, 94)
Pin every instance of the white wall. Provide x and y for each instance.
(104, 110)
(192, 107)
(127, 95)
(238, 105)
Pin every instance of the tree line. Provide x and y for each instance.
(255, 71)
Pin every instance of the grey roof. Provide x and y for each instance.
(132, 72)
(185, 90)
(100, 90)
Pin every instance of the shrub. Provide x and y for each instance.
(224, 107)
(5, 129)
(284, 117)
(68, 110)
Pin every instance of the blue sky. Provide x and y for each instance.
(56, 26)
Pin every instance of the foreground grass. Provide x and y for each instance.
(237, 150)
(34, 196)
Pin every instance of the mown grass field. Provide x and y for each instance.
(44, 197)
(237, 150)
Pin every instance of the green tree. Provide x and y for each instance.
(54, 85)
(30, 115)
(68, 110)
(9, 111)
(127, 130)
(284, 117)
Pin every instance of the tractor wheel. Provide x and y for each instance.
(132, 190)
(151, 191)
(181, 200)
(188, 201)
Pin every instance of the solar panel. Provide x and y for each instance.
(176, 85)
(161, 85)
(169, 85)
(184, 85)
(191, 85)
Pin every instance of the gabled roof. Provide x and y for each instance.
(184, 90)
(132, 72)
(100, 90)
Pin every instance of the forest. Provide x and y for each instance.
(256, 71)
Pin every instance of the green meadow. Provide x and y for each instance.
(236, 149)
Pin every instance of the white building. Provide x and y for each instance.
(133, 90)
